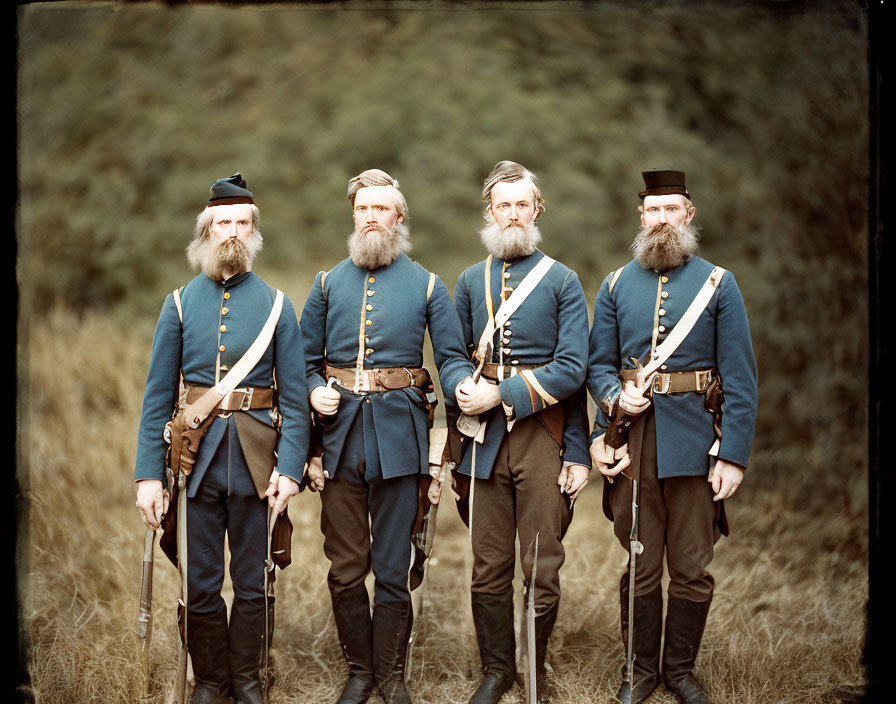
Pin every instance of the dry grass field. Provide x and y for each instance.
(786, 625)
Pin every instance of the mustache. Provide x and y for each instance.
(373, 227)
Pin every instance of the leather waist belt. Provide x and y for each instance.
(242, 399)
(385, 379)
(674, 382)
(491, 370)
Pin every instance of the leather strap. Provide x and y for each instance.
(244, 399)
(379, 380)
(504, 371)
(673, 382)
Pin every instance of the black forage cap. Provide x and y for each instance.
(663, 182)
(229, 191)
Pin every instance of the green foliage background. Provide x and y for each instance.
(128, 114)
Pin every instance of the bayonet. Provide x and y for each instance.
(143, 627)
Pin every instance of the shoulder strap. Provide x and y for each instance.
(432, 283)
(180, 310)
(686, 323)
(200, 410)
(616, 275)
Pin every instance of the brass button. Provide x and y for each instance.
(224, 310)
(662, 328)
(367, 400)
(369, 350)
(368, 322)
(369, 292)
(665, 294)
(223, 367)
(506, 274)
(371, 279)
(223, 328)
(226, 295)
(366, 340)
(221, 348)
(664, 279)
(514, 361)
(662, 312)
(508, 332)
(506, 340)
(368, 307)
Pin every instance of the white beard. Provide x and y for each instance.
(664, 247)
(231, 254)
(374, 247)
(514, 242)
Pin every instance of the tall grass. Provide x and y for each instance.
(786, 624)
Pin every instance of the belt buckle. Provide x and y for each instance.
(704, 376)
(663, 387)
(246, 403)
(362, 379)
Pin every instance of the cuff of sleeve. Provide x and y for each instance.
(515, 392)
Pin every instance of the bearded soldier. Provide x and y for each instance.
(363, 326)
(203, 330)
(671, 365)
(528, 458)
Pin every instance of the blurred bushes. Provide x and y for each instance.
(127, 115)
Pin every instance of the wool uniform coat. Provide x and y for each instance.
(550, 328)
(225, 319)
(377, 319)
(636, 316)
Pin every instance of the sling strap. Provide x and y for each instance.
(197, 412)
(684, 325)
(512, 304)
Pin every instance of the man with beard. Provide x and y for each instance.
(363, 325)
(203, 330)
(687, 449)
(531, 459)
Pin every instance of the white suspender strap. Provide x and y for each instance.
(616, 275)
(685, 324)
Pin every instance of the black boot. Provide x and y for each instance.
(390, 642)
(493, 618)
(351, 610)
(247, 650)
(207, 640)
(685, 621)
(544, 624)
(645, 643)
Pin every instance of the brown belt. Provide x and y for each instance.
(490, 371)
(242, 399)
(378, 380)
(673, 382)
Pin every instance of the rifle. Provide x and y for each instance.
(143, 627)
(268, 592)
(180, 678)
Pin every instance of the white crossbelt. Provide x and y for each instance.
(685, 324)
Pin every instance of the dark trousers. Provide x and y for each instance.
(368, 523)
(676, 517)
(226, 501)
(521, 495)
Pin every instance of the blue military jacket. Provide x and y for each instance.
(639, 314)
(550, 328)
(378, 319)
(223, 318)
